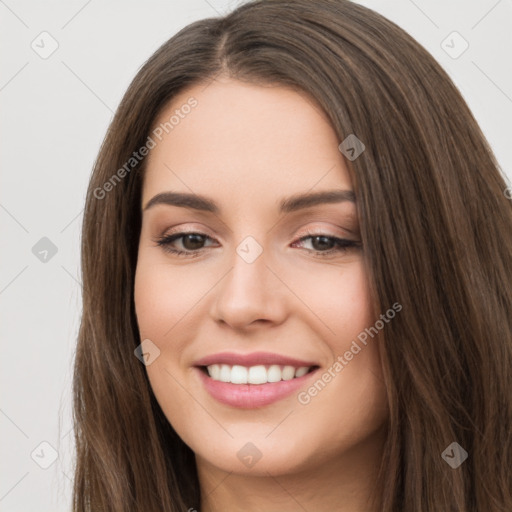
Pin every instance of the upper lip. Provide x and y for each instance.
(252, 359)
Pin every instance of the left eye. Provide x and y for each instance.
(193, 243)
(333, 243)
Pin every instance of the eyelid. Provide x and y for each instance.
(323, 231)
(187, 230)
(308, 231)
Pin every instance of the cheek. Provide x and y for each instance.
(333, 299)
(162, 301)
(340, 299)
(352, 317)
(163, 297)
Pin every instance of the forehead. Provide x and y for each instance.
(245, 140)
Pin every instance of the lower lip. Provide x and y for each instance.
(251, 396)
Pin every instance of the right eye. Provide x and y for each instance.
(191, 241)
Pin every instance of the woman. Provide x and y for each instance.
(296, 260)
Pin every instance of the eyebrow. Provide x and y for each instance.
(286, 205)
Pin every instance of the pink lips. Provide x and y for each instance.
(251, 396)
(252, 359)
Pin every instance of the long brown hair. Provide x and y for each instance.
(436, 228)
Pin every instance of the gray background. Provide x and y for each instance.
(55, 112)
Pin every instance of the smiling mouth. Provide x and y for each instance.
(259, 374)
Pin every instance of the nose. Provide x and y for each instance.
(250, 293)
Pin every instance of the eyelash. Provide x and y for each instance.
(343, 245)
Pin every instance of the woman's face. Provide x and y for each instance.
(264, 292)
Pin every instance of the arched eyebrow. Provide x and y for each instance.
(286, 205)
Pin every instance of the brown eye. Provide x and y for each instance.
(325, 245)
(192, 243)
(322, 243)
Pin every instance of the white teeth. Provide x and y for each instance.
(225, 373)
(301, 371)
(259, 374)
(288, 373)
(239, 374)
(214, 371)
(274, 373)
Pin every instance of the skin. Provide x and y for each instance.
(246, 147)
